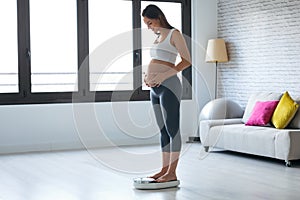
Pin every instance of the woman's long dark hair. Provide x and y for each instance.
(154, 12)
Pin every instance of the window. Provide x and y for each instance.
(8, 48)
(52, 49)
(106, 21)
(53, 37)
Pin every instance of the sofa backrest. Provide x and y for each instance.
(259, 96)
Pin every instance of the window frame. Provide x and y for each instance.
(25, 96)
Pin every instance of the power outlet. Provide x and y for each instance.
(193, 140)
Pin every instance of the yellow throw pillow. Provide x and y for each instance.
(284, 112)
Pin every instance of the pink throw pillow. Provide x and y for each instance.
(262, 113)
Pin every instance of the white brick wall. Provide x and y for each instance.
(263, 42)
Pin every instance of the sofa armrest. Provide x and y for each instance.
(219, 122)
(221, 108)
(287, 144)
(206, 125)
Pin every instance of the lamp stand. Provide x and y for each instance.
(216, 81)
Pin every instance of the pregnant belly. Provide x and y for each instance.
(158, 66)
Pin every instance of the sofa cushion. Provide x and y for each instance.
(264, 141)
(248, 139)
(262, 113)
(284, 111)
(260, 96)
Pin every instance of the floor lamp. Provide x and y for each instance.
(216, 53)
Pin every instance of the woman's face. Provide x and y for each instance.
(153, 24)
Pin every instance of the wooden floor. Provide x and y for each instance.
(103, 174)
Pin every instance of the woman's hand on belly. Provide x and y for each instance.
(158, 79)
(154, 80)
(149, 81)
(146, 80)
(156, 72)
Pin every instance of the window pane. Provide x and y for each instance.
(172, 12)
(110, 45)
(9, 82)
(53, 33)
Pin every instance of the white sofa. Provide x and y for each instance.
(222, 126)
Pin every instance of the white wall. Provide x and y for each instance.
(263, 42)
(71, 126)
(204, 27)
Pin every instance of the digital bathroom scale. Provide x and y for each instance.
(151, 184)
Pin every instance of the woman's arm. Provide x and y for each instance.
(178, 41)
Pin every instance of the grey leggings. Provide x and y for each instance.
(166, 104)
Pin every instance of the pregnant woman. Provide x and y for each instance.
(166, 88)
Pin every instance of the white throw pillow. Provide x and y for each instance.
(260, 96)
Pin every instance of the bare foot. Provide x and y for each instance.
(167, 177)
(159, 174)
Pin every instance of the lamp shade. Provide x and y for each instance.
(216, 51)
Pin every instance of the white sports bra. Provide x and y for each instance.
(164, 50)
